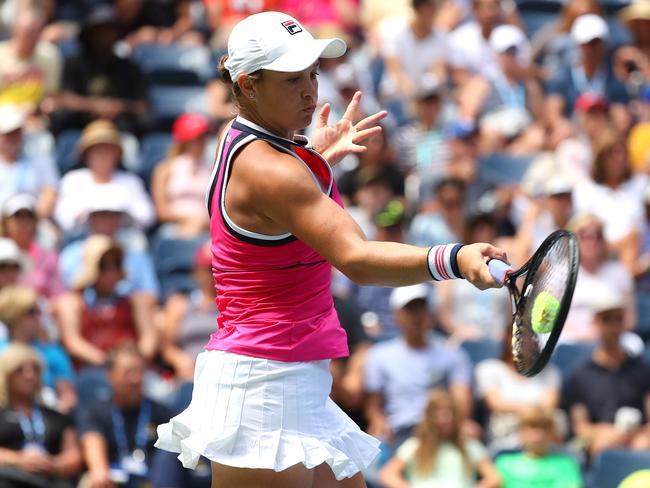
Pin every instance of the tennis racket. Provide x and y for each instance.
(541, 292)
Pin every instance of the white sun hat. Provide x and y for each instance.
(276, 42)
(588, 27)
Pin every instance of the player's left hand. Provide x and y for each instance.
(334, 142)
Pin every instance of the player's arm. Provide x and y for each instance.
(287, 194)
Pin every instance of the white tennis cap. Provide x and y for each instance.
(403, 295)
(588, 27)
(277, 42)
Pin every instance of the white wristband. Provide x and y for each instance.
(442, 263)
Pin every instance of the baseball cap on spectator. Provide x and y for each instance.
(460, 129)
(11, 118)
(428, 86)
(608, 301)
(17, 202)
(190, 126)
(95, 248)
(277, 42)
(403, 295)
(558, 185)
(100, 16)
(11, 254)
(589, 27)
(507, 38)
(98, 132)
(203, 256)
(591, 101)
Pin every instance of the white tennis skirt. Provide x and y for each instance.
(258, 413)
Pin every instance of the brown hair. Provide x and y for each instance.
(571, 12)
(123, 349)
(537, 416)
(238, 96)
(429, 438)
(602, 149)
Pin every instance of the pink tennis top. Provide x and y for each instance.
(273, 291)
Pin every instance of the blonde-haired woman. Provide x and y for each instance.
(179, 183)
(438, 454)
(37, 444)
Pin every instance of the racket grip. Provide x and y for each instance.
(499, 270)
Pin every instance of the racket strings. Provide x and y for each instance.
(551, 276)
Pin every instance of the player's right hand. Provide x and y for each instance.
(472, 260)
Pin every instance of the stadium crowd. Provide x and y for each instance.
(508, 119)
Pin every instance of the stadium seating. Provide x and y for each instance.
(174, 259)
(174, 64)
(569, 356)
(153, 150)
(483, 349)
(611, 467)
(168, 102)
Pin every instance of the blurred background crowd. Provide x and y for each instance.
(508, 119)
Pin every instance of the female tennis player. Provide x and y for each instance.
(260, 409)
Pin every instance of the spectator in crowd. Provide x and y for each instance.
(598, 275)
(608, 397)
(189, 319)
(19, 223)
(468, 49)
(592, 73)
(108, 215)
(397, 389)
(374, 300)
(438, 454)
(20, 312)
(441, 218)
(640, 268)
(632, 62)
(98, 84)
(553, 43)
(95, 317)
(425, 47)
(421, 143)
(536, 464)
(180, 182)
(117, 435)
(471, 314)
(507, 104)
(12, 262)
(157, 21)
(506, 394)
(18, 174)
(38, 445)
(544, 214)
(614, 194)
(100, 151)
(30, 74)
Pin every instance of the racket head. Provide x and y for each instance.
(552, 270)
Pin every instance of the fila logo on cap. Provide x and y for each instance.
(292, 27)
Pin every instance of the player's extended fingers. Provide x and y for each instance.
(493, 252)
(323, 115)
(352, 107)
(362, 135)
(371, 120)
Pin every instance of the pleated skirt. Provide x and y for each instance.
(258, 413)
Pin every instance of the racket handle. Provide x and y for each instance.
(499, 270)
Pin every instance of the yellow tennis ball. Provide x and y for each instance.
(545, 310)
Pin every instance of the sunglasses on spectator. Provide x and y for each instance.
(110, 264)
(33, 311)
(613, 317)
(591, 235)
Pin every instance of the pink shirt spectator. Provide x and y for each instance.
(43, 275)
(186, 187)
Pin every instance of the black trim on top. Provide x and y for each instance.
(453, 258)
(299, 265)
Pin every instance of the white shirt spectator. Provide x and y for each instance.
(620, 209)
(611, 278)
(417, 56)
(78, 189)
(467, 49)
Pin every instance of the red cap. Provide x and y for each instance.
(190, 126)
(589, 101)
(203, 256)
